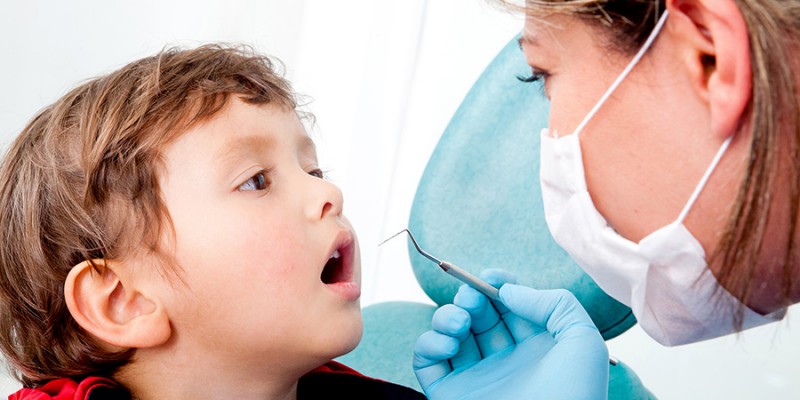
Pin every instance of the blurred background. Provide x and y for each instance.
(383, 79)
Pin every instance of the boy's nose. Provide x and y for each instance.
(325, 199)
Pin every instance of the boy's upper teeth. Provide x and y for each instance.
(335, 254)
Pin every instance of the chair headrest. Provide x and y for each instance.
(479, 203)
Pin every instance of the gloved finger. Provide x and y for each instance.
(431, 354)
(520, 328)
(454, 321)
(574, 333)
(490, 332)
(468, 354)
(558, 310)
(497, 278)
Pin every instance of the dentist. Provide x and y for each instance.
(670, 172)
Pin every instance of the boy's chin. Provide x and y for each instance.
(349, 338)
(355, 337)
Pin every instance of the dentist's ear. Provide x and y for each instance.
(112, 308)
(716, 51)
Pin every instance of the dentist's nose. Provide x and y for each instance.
(325, 199)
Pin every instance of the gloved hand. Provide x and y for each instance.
(536, 344)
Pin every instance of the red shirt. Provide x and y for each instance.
(90, 388)
(330, 381)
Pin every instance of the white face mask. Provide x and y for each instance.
(664, 278)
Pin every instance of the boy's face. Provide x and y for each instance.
(270, 266)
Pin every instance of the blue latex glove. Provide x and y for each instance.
(536, 344)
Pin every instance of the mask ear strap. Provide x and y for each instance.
(625, 72)
(704, 179)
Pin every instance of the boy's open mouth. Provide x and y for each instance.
(339, 267)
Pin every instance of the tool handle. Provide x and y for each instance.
(472, 280)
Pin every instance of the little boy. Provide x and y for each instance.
(168, 234)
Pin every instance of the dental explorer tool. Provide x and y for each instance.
(454, 270)
(464, 276)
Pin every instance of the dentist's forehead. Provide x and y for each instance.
(547, 31)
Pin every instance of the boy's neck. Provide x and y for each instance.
(206, 377)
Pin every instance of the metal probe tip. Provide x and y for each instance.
(414, 241)
(392, 237)
(454, 271)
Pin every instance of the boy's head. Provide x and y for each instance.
(172, 206)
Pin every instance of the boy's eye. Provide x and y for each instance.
(317, 173)
(257, 182)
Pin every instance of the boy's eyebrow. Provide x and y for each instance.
(233, 148)
(307, 144)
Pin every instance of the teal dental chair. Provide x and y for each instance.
(479, 206)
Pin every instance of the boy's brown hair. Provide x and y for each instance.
(80, 183)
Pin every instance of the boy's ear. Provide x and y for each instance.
(715, 49)
(113, 309)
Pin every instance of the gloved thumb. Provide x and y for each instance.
(556, 310)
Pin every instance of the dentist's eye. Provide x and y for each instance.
(257, 182)
(317, 173)
(535, 76)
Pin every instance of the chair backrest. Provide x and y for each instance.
(479, 203)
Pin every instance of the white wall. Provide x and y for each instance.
(385, 77)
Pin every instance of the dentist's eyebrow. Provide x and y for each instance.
(527, 39)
